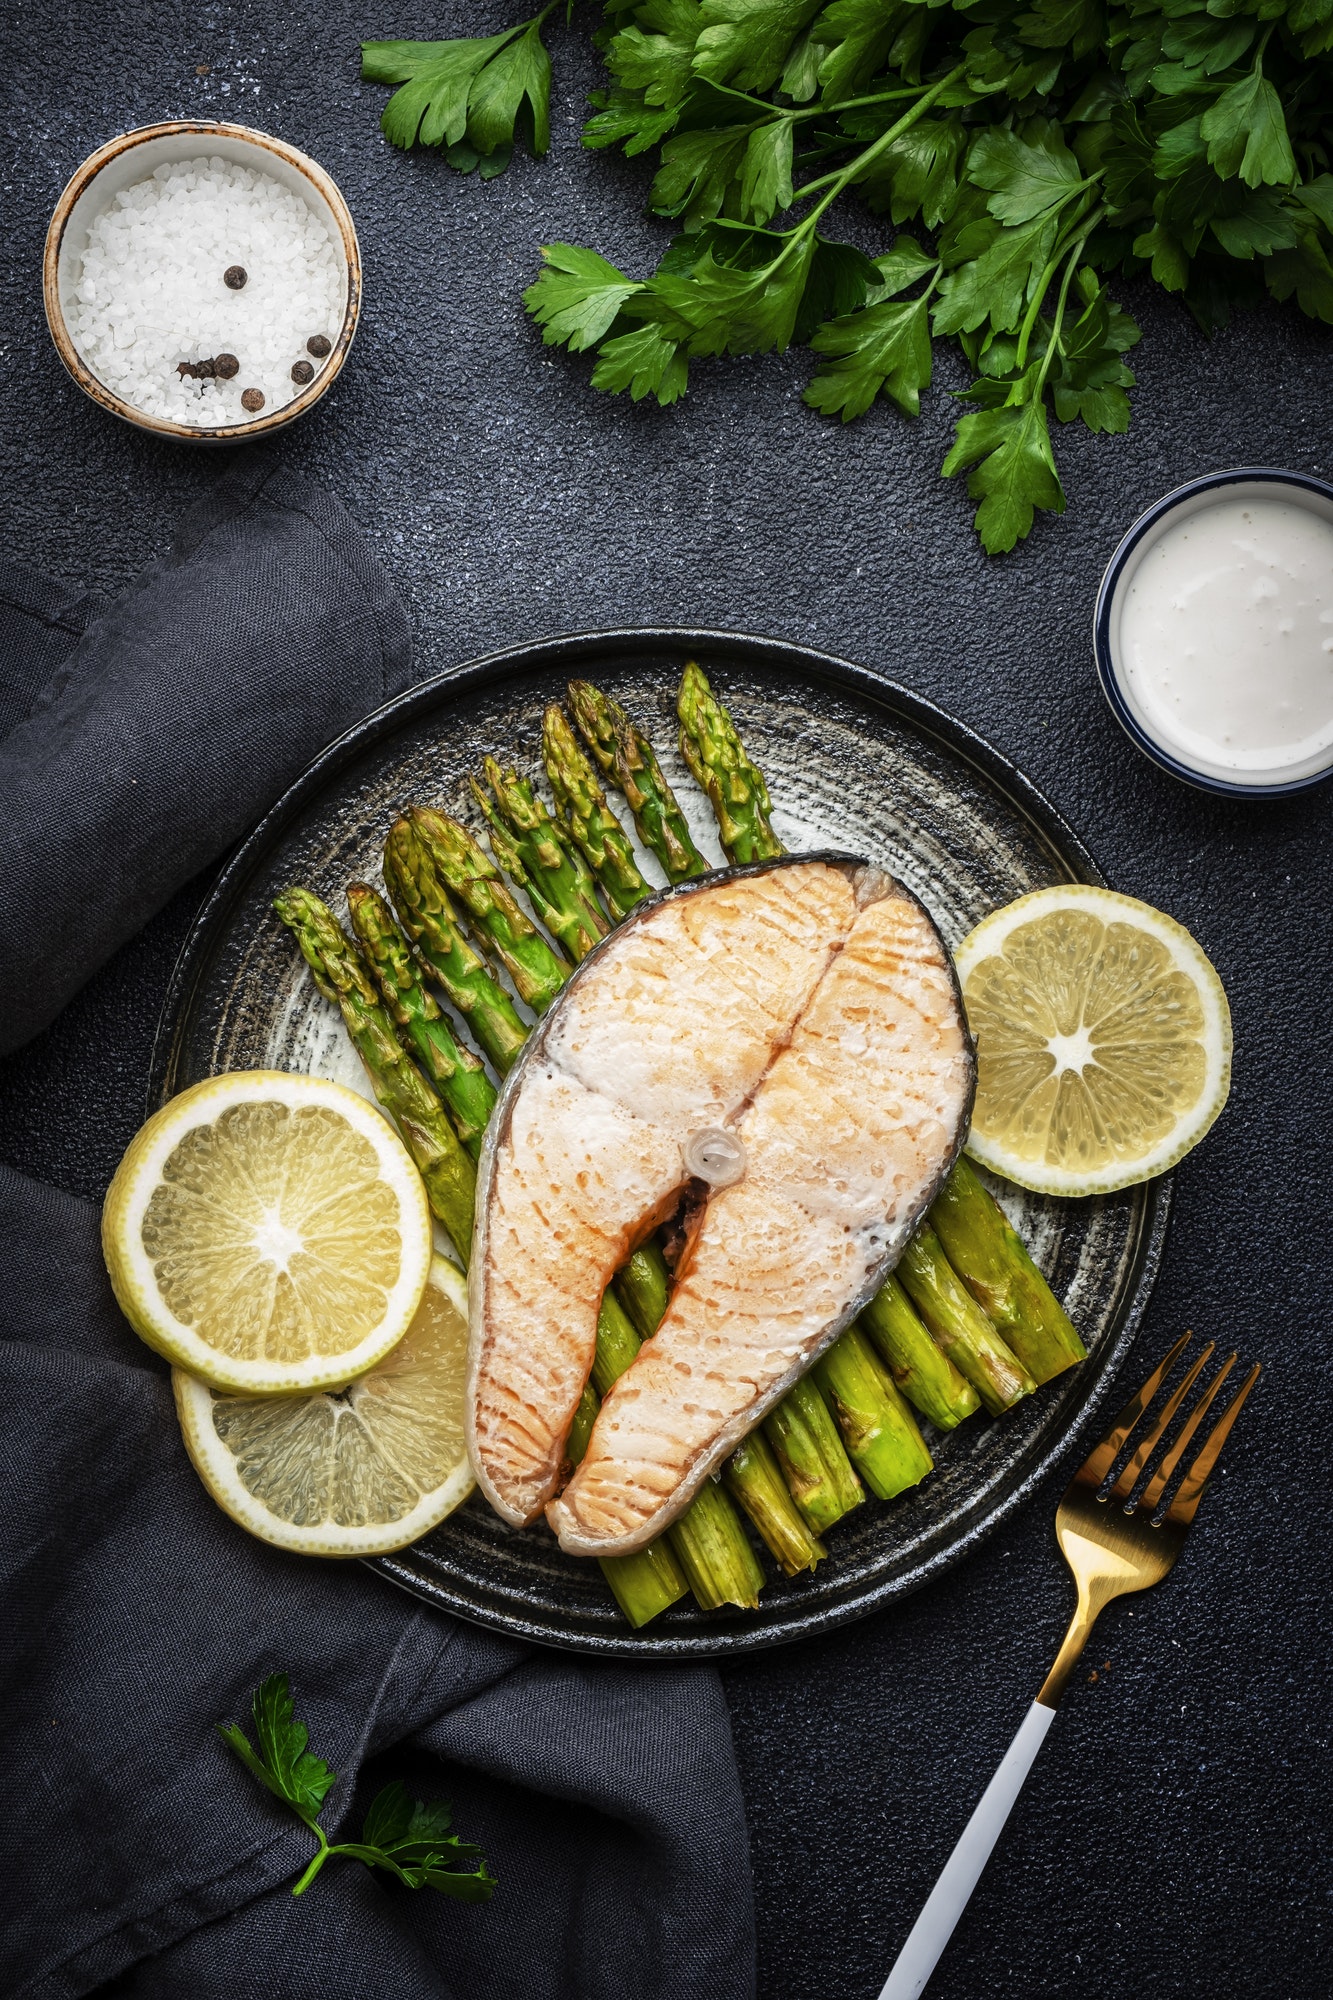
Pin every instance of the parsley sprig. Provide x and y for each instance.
(401, 1834)
(1027, 152)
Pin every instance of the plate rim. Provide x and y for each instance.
(548, 654)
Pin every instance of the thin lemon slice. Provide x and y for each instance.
(269, 1233)
(1103, 1040)
(354, 1472)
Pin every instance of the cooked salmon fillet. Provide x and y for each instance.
(668, 1027)
(849, 1134)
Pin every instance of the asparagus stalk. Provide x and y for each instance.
(596, 831)
(708, 1540)
(585, 1416)
(428, 917)
(959, 1325)
(716, 756)
(643, 1286)
(809, 1450)
(880, 1431)
(341, 976)
(647, 1582)
(550, 867)
(989, 1256)
(755, 1478)
(921, 1370)
(458, 1077)
(624, 755)
(537, 970)
(714, 1551)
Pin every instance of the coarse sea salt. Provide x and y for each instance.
(149, 293)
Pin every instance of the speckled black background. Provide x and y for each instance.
(1174, 1836)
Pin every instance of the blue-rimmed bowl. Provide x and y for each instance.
(1250, 481)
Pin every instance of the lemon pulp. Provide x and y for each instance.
(268, 1232)
(1103, 1040)
(357, 1471)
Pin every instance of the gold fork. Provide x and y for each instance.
(1112, 1551)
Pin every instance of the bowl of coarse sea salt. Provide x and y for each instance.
(1213, 632)
(202, 281)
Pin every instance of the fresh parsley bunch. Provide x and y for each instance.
(402, 1835)
(1025, 153)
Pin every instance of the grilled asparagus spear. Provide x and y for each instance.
(341, 976)
(537, 970)
(457, 1075)
(719, 766)
(922, 1371)
(883, 1441)
(959, 1325)
(429, 919)
(596, 831)
(989, 1256)
(534, 849)
(624, 755)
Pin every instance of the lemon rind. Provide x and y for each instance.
(989, 937)
(130, 1272)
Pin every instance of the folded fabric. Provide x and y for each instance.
(138, 1857)
(147, 735)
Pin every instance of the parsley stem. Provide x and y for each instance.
(844, 175)
(321, 1856)
(1030, 317)
(1075, 253)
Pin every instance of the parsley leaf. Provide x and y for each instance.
(576, 299)
(470, 95)
(747, 42)
(885, 348)
(1246, 132)
(408, 1838)
(1012, 467)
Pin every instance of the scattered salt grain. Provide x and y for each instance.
(150, 292)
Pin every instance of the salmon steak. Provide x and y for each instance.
(807, 1007)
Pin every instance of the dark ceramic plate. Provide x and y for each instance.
(853, 763)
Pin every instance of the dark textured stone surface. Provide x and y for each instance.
(1174, 1835)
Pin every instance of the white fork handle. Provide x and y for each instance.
(962, 1871)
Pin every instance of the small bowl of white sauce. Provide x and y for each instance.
(1213, 632)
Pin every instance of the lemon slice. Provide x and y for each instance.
(1103, 1040)
(268, 1233)
(354, 1472)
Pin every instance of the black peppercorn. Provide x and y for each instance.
(226, 366)
(234, 277)
(303, 372)
(252, 399)
(205, 370)
(319, 345)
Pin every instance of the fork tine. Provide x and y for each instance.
(1186, 1503)
(1100, 1460)
(1161, 1479)
(1129, 1478)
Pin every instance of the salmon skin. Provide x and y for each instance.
(806, 1005)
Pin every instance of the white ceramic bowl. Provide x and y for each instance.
(132, 157)
(1245, 483)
